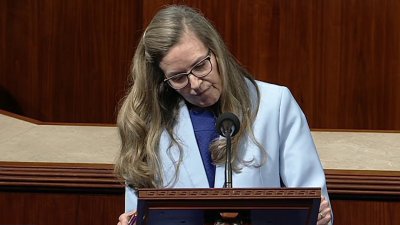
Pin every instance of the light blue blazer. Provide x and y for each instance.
(282, 129)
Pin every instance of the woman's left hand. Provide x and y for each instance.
(324, 215)
(125, 218)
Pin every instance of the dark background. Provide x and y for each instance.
(68, 61)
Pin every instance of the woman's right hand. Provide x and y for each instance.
(125, 217)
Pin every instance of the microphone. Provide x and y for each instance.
(228, 125)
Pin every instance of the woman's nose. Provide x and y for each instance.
(194, 81)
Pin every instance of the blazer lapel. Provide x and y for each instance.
(192, 173)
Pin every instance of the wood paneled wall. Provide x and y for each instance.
(64, 194)
(67, 61)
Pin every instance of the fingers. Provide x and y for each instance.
(324, 215)
(124, 218)
(324, 204)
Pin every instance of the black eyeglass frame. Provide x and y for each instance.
(208, 57)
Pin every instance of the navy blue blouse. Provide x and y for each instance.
(203, 121)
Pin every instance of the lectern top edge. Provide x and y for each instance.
(229, 193)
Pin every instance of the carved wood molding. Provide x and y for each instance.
(363, 182)
(59, 176)
(231, 193)
(79, 176)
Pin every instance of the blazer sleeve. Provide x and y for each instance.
(300, 165)
(130, 199)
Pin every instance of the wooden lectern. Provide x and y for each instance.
(282, 206)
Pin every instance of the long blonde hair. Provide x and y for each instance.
(151, 106)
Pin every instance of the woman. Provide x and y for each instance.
(183, 76)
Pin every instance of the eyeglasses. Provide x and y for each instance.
(201, 69)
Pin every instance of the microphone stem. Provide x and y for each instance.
(228, 166)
